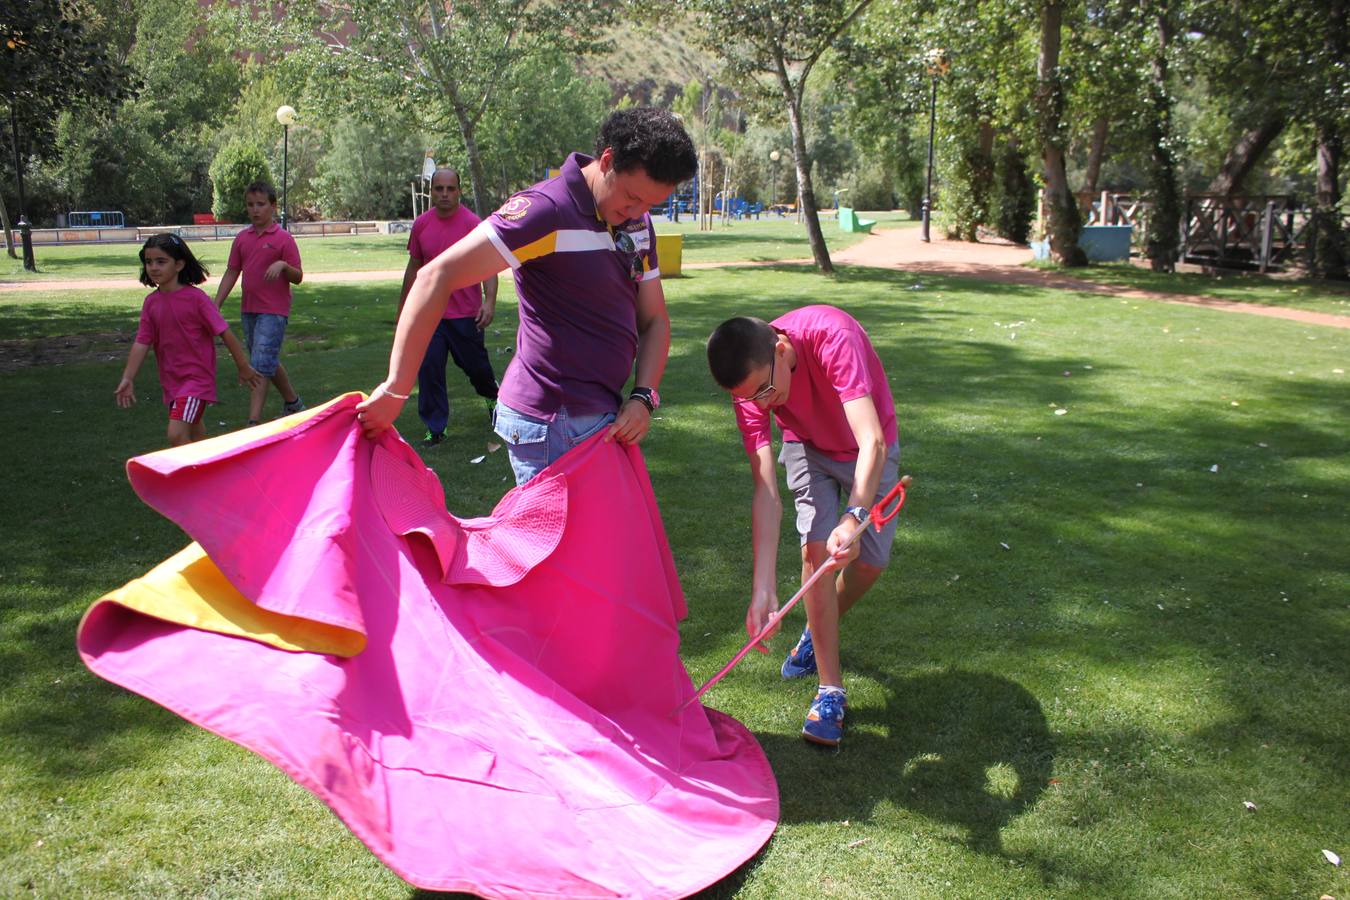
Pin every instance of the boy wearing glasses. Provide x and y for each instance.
(815, 370)
(583, 251)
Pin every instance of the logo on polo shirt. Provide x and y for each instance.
(514, 209)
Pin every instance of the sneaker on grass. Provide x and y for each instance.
(433, 438)
(802, 660)
(294, 406)
(825, 721)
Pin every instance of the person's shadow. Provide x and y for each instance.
(968, 748)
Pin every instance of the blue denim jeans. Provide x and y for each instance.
(460, 340)
(535, 444)
(263, 334)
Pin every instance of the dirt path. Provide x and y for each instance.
(1002, 262)
(898, 248)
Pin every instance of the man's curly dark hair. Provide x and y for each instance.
(651, 139)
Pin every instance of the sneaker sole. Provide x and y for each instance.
(824, 742)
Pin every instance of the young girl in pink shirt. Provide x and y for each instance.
(180, 323)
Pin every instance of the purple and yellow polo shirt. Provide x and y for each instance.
(577, 279)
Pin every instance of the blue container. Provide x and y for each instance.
(1106, 243)
(1101, 243)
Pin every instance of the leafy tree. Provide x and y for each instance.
(453, 65)
(1164, 239)
(366, 171)
(1064, 221)
(554, 111)
(238, 164)
(1015, 198)
(770, 48)
(42, 42)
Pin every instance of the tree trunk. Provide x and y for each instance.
(807, 195)
(1096, 153)
(9, 233)
(1164, 229)
(1245, 154)
(1064, 221)
(1329, 251)
(477, 175)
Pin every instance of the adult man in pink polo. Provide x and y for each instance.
(267, 256)
(459, 335)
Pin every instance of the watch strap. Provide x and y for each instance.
(646, 396)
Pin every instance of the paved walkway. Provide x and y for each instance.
(897, 248)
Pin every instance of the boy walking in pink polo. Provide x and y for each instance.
(269, 259)
(815, 370)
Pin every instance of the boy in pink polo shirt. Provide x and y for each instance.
(267, 256)
(816, 371)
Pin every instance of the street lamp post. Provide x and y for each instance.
(936, 64)
(286, 116)
(774, 157)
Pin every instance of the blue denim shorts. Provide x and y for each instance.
(263, 334)
(535, 444)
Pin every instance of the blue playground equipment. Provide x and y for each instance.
(683, 200)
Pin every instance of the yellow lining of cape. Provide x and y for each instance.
(188, 589)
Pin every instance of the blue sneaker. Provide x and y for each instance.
(802, 660)
(825, 721)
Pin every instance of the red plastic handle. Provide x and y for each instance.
(879, 514)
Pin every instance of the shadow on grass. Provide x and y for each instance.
(963, 748)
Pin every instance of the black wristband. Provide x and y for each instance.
(643, 399)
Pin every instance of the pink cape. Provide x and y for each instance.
(485, 703)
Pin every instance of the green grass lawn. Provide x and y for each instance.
(745, 240)
(70, 262)
(1081, 713)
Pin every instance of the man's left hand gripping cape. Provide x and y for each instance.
(485, 703)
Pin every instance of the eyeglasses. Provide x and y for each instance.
(623, 243)
(765, 391)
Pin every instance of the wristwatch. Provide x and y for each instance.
(857, 512)
(648, 397)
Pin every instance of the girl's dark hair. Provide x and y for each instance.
(193, 271)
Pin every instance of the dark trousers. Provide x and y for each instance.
(460, 340)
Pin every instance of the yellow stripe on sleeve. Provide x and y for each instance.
(542, 247)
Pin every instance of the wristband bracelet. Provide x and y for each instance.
(385, 387)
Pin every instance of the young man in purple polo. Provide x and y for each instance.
(459, 335)
(815, 370)
(583, 251)
(267, 256)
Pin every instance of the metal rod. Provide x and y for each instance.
(285, 165)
